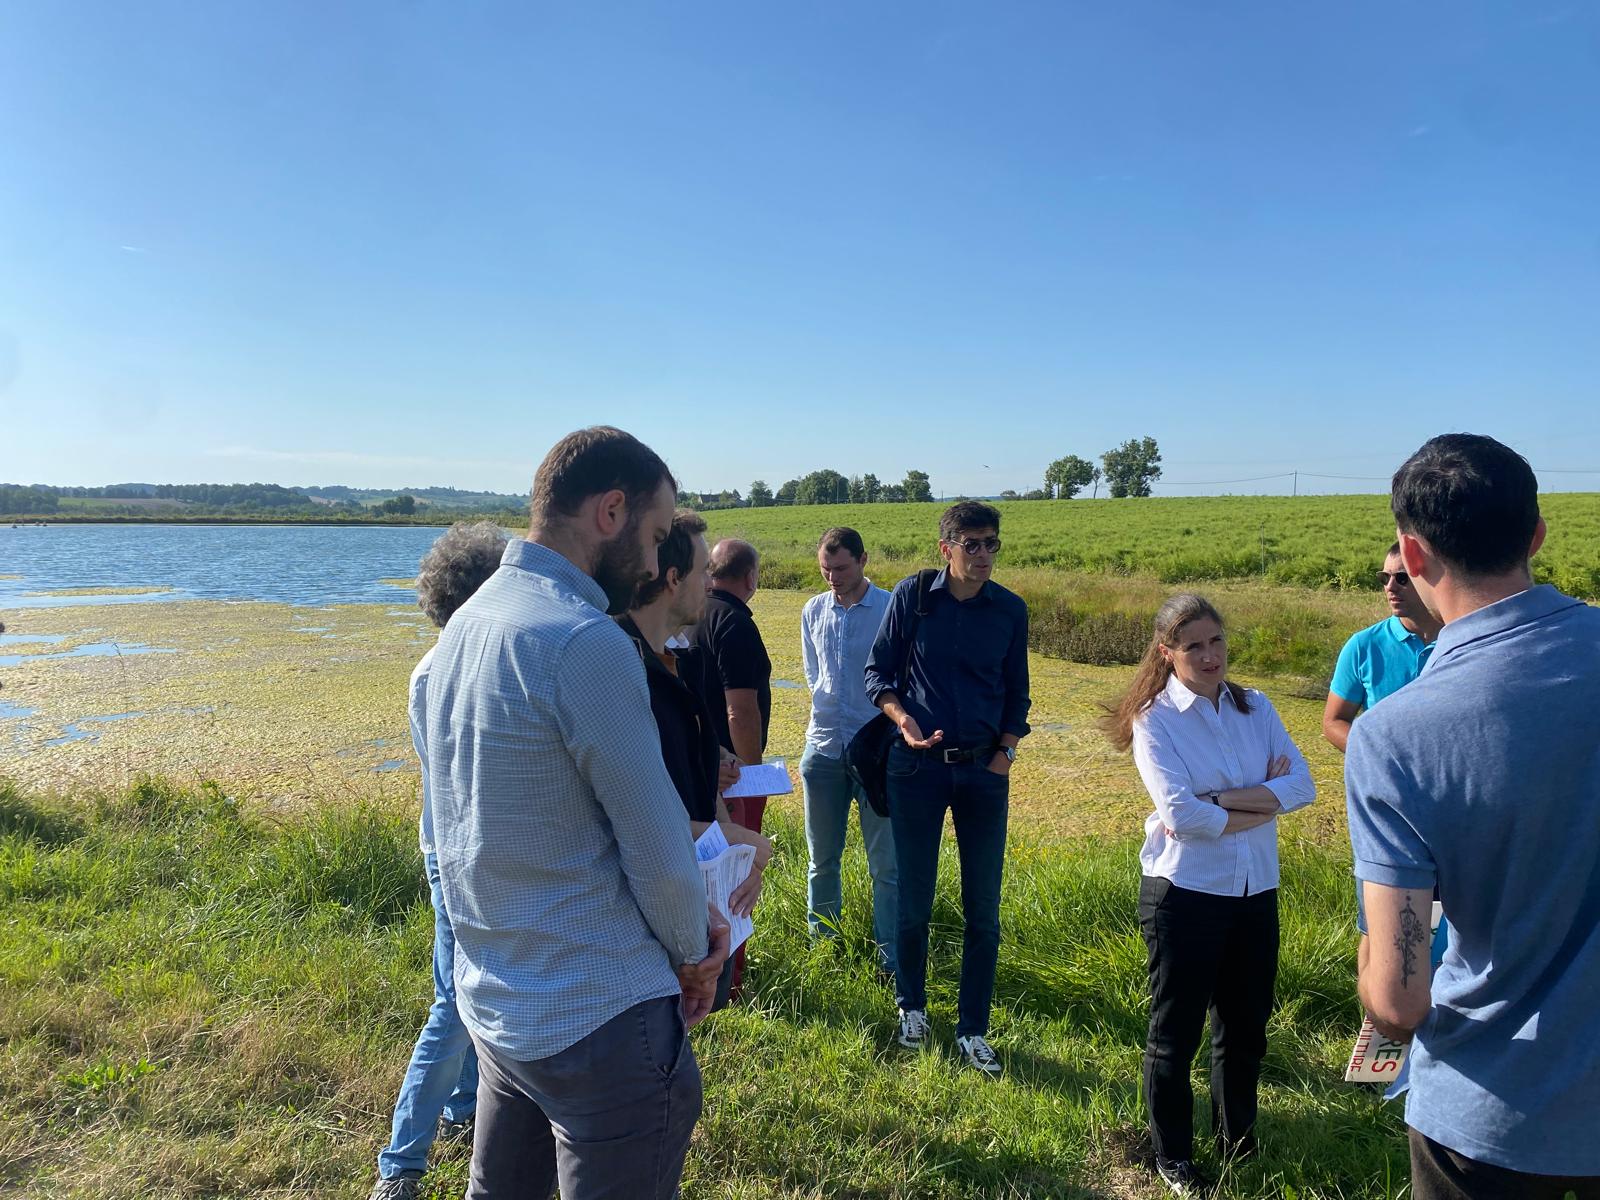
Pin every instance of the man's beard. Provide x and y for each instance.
(619, 568)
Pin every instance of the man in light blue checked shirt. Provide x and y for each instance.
(566, 864)
(837, 629)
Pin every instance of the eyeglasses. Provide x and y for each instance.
(973, 545)
(1401, 579)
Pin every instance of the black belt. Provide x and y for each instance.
(961, 756)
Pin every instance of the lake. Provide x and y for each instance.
(304, 565)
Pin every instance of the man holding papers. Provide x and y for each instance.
(584, 948)
(661, 607)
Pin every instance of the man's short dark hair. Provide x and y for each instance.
(967, 514)
(676, 553)
(1472, 499)
(593, 461)
(733, 559)
(456, 565)
(842, 537)
(1391, 551)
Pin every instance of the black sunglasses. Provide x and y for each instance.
(1400, 577)
(973, 545)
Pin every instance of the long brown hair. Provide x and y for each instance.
(1154, 670)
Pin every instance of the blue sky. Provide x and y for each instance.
(387, 244)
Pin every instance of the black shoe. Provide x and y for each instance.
(1182, 1177)
(452, 1133)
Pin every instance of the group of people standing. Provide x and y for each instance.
(598, 685)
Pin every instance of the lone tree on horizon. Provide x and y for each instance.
(1068, 476)
(1132, 467)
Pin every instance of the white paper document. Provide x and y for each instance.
(724, 868)
(763, 779)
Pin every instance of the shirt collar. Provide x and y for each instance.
(869, 598)
(730, 598)
(1524, 608)
(558, 568)
(941, 583)
(1183, 699)
(1400, 633)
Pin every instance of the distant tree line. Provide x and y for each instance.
(243, 499)
(830, 487)
(17, 499)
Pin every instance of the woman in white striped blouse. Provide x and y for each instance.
(1220, 768)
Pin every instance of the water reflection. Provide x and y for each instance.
(305, 565)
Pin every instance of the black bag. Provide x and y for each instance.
(866, 758)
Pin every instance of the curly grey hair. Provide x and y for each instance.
(457, 565)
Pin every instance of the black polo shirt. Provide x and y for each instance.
(688, 737)
(731, 656)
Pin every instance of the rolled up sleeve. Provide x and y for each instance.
(1167, 780)
(612, 737)
(1387, 847)
(1296, 789)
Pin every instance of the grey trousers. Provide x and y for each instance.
(608, 1118)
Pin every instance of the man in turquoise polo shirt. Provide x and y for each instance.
(1380, 659)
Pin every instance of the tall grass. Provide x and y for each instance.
(197, 1003)
(1296, 576)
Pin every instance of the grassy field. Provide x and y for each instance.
(1309, 541)
(1293, 576)
(196, 1001)
(211, 988)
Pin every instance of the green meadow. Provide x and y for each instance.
(200, 1000)
(1293, 575)
(214, 951)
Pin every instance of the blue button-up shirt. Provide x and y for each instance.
(968, 670)
(834, 644)
(568, 869)
(1484, 776)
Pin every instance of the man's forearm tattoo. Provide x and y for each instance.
(1412, 936)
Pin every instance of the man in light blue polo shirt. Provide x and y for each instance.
(837, 629)
(1380, 659)
(1483, 776)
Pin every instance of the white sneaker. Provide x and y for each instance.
(978, 1054)
(914, 1028)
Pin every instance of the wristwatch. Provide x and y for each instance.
(1009, 751)
(1212, 797)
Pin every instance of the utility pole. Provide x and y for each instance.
(1296, 483)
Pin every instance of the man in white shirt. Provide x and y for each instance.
(837, 629)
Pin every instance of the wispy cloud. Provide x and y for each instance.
(133, 249)
(1420, 131)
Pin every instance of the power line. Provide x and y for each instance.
(1215, 482)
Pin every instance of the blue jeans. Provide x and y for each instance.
(828, 791)
(443, 1075)
(921, 788)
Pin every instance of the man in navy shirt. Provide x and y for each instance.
(950, 668)
(1483, 776)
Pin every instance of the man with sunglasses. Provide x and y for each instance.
(1380, 659)
(950, 668)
